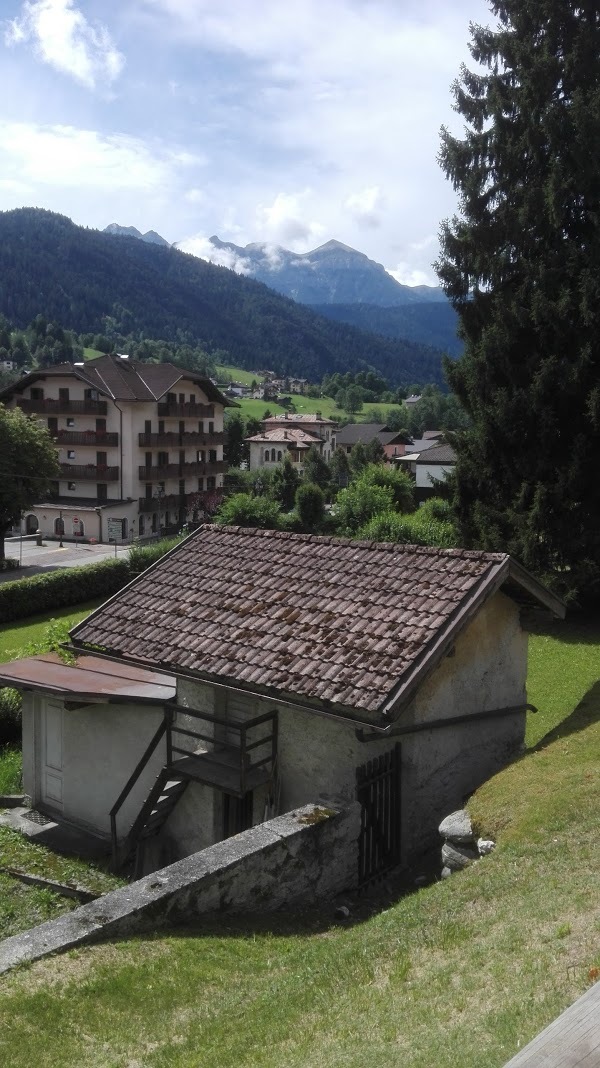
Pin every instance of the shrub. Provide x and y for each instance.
(414, 529)
(58, 589)
(310, 506)
(242, 510)
(142, 556)
(358, 504)
(10, 716)
(400, 483)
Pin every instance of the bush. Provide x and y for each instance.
(414, 529)
(358, 504)
(10, 716)
(242, 510)
(143, 556)
(310, 506)
(59, 589)
(400, 483)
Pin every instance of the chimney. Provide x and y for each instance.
(318, 415)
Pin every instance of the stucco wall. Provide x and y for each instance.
(101, 746)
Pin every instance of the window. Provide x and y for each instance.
(70, 454)
(279, 455)
(147, 426)
(161, 426)
(53, 424)
(182, 398)
(101, 492)
(101, 426)
(211, 482)
(200, 485)
(148, 491)
(162, 459)
(212, 456)
(101, 459)
(201, 456)
(273, 455)
(91, 394)
(63, 393)
(181, 487)
(266, 456)
(200, 426)
(211, 428)
(36, 393)
(192, 398)
(59, 527)
(71, 486)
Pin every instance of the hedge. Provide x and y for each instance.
(61, 588)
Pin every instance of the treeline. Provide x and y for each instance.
(120, 287)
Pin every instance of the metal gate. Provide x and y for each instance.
(378, 791)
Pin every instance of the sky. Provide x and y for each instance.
(288, 123)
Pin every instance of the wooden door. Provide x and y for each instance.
(52, 754)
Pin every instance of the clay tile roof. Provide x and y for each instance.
(340, 621)
(438, 454)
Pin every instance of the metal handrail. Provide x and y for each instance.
(133, 778)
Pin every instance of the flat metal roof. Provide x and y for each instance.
(89, 678)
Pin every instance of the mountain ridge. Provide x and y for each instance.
(92, 281)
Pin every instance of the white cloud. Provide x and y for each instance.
(201, 246)
(66, 157)
(63, 38)
(282, 220)
(366, 206)
(409, 276)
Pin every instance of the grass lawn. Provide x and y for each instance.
(14, 639)
(461, 973)
(245, 378)
(310, 405)
(92, 354)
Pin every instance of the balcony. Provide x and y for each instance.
(55, 406)
(187, 470)
(175, 440)
(198, 411)
(204, 500)
(86, 437)
(89, 472)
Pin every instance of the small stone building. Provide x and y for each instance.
(249, 672)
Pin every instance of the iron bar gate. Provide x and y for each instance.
(378, 792)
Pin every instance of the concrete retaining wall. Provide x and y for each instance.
(299, 858)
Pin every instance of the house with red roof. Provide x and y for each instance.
(250, 672)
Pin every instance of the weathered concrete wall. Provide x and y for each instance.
(298, 858)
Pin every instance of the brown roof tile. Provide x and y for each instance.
(338, 620)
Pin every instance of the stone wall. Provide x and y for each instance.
(300, 858)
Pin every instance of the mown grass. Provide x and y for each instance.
(309, 405)
(463, 972)
(15, 638)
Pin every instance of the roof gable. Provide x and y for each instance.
(336, 622)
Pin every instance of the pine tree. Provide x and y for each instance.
(520, 264)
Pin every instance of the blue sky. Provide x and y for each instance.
(258, 120)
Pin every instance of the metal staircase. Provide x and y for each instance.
(152, 817)
(212, 759)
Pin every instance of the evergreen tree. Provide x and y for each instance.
(284, 484)
(521, 267)
(310, 506)
(316, 468)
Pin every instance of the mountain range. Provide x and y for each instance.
(90, 281)
(131, 231)
(342, 284)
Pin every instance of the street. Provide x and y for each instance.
(38, 559)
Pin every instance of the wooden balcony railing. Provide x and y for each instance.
(187, 470)
(89, 472)
(199, 411)
(55, 406)
(175, 440)
(86, 437)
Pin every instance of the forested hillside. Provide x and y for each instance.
(119, 286)
(431, 323)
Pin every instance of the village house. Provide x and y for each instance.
(272, 446)
(392, 442)
(250, 672)
(292, 433)
(428, 465)
(140, 446)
